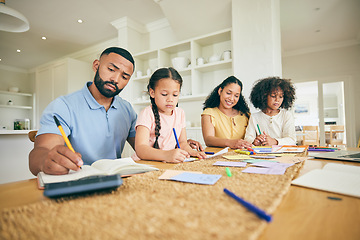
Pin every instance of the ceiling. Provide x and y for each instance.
(305, 24)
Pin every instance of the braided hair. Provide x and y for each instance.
(213, 100)
(159, 74)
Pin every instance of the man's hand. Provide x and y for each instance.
(60, 160)
(52, 156)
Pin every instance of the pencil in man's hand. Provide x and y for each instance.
(68, 144)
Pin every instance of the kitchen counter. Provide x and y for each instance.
(15, 147)
(15, 132)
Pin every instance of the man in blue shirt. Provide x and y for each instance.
(96, 120)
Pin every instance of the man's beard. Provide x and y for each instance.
(99, 83)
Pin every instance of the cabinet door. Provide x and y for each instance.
(44, 89)
(78, 73)
(60, 79)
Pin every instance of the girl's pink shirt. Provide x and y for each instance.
(168, 122)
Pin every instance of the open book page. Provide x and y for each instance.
(344, 180)
(86, 171)
(342, 168)
(225, 150)
(123, 166)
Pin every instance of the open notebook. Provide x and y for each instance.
(121, 166)
(337, 178)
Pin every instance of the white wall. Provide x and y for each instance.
(337, 62)
(256, 41)
(307, 96)
(11, 77)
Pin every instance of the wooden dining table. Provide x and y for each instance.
(303, 213)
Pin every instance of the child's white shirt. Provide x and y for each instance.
(281, 127)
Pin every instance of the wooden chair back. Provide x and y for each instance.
(32, 135)
(311, 135)
(336, 136)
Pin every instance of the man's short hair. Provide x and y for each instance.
(122, 52)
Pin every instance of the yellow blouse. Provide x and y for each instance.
(225, 126)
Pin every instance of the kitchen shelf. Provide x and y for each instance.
(22, 107)
(198, 80)
(16, 94)
(16, 106)
(14, 132)
(188, 98)
(193, 98)
(214, 66)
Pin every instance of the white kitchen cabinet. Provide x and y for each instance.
(15, 105)
(196, 134)
(198, 80)
(14, 148)
(60, 78)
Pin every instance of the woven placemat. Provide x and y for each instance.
(147, 208)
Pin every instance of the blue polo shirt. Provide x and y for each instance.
(92, 131)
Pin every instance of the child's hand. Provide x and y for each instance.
(269, 141)
(176, 155)
(239, 143)
(200, 155)
(259, 140)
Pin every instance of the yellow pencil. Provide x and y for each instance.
(68, 144)
(63, 134)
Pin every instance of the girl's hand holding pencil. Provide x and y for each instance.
(200, 155)
(176, 155)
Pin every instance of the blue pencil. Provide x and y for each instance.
(177, 141)
(320, 150)
(260, 213)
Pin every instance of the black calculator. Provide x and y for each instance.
(83, 186)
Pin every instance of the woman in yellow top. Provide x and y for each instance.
(225, 116)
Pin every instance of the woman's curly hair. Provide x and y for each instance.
(264, 87)
(213, 100)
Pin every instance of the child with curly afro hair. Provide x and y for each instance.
(274, 124)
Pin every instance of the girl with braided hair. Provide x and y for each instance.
(155, 139)
(274, 124)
